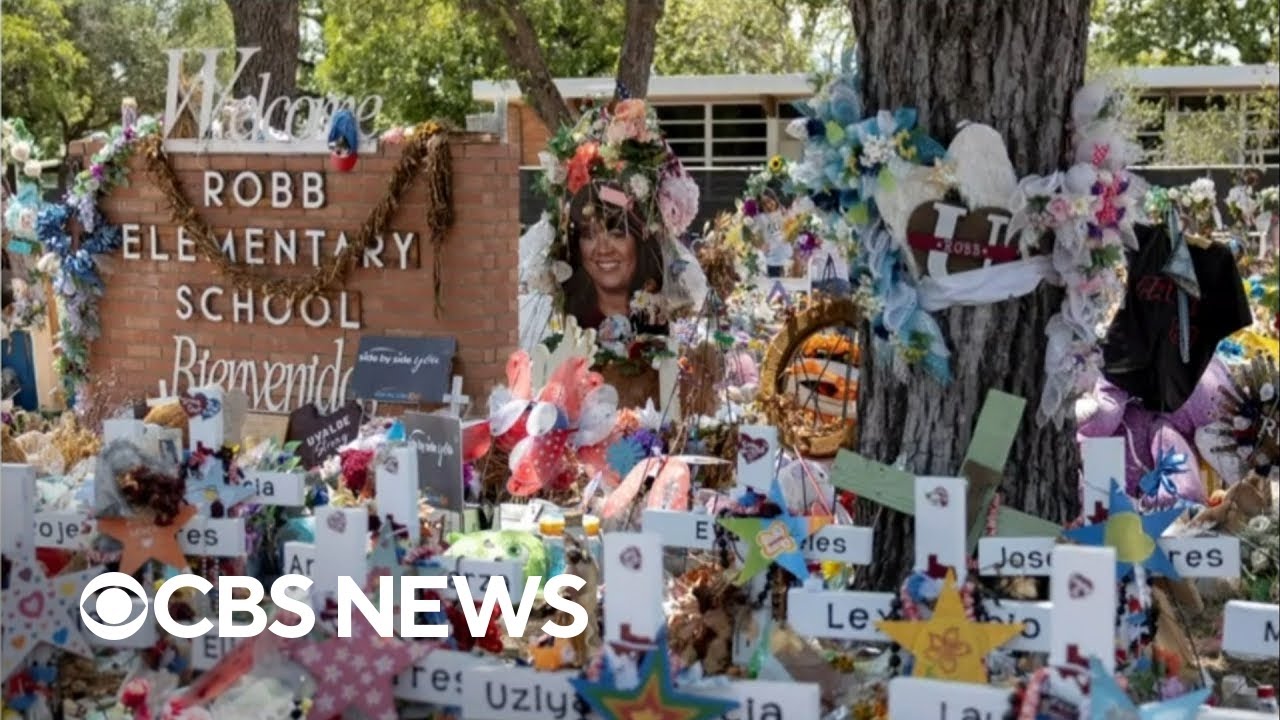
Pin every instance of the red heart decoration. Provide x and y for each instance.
(1079, 586)
(337, 522)
(32, 605)
(193, 405)
(752, 449)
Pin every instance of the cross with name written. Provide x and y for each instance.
(455, 399)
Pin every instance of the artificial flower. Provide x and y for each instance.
(629, 122)
(49, 263)
(579, 172)
(32, 169)
(639, 186)
(678, 201)
(1060, 208)
(21, 151)
(777, 164)
(562, 271)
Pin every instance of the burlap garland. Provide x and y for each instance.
(427, 151)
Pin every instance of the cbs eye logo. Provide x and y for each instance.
(113, 606)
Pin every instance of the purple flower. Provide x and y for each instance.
(649, 440)
(807, 244)
(97, 171)
(749, 208)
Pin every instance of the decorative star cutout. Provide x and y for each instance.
(1108, 702)
(949, 646)
(40, 609)
(774, 540)
(1135, 537)
(655, 698)
(356, 672)
(211, 485)
(144, 540)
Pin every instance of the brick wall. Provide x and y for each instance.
(479, 275)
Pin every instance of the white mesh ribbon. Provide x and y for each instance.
(684, 286)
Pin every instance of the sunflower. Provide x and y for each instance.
(777, 164)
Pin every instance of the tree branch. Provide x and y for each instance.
(513, 29)
(639, 40)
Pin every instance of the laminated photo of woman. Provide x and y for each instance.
(613, 255)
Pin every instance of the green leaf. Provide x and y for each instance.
(835, 133)
(885, 180)
(859, 214)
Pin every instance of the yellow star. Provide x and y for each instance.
(949, 646)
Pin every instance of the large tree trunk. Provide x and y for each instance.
(1014, 66)
(514, 30)
(273, 27)
(639, 41)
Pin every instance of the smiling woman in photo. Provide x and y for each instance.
(612, 258)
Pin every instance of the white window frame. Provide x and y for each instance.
(708, 160)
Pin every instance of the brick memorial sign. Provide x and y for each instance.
(168, 315)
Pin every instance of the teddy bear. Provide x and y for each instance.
(1109, 411)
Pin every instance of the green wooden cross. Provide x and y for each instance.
(983, 467)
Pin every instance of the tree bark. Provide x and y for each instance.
(639, 41)
(1015, 67)
(514, 30)
(273, 27)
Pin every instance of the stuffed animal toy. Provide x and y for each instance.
(497, 545)
(1109, 411)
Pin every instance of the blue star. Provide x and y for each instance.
(1107, 701)
(774, 540)
(209, 484)
(1135, 537)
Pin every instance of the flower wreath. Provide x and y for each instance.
(618, 153)
(847, 159)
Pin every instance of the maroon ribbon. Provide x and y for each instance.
(963, 248)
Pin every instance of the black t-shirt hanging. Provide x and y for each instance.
(1141, 351)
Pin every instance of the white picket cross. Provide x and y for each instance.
(455, 399)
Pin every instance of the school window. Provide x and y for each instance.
(720, 135)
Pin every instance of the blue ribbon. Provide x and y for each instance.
(1160, 477)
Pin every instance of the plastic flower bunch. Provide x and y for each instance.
(1269, 199)
(17, 146)
(1090, 210)
(847, 157)
(775, 216)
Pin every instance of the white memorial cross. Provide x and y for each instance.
(397, 489)
(1251, 630)
(1083, 591)
(1199, 556)
(455, 399)
(940, 518)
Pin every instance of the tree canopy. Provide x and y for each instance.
(69, 64)
(1185, 32)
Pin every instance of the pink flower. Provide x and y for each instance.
(1059, 208)
(629, 122)
(678, 201)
